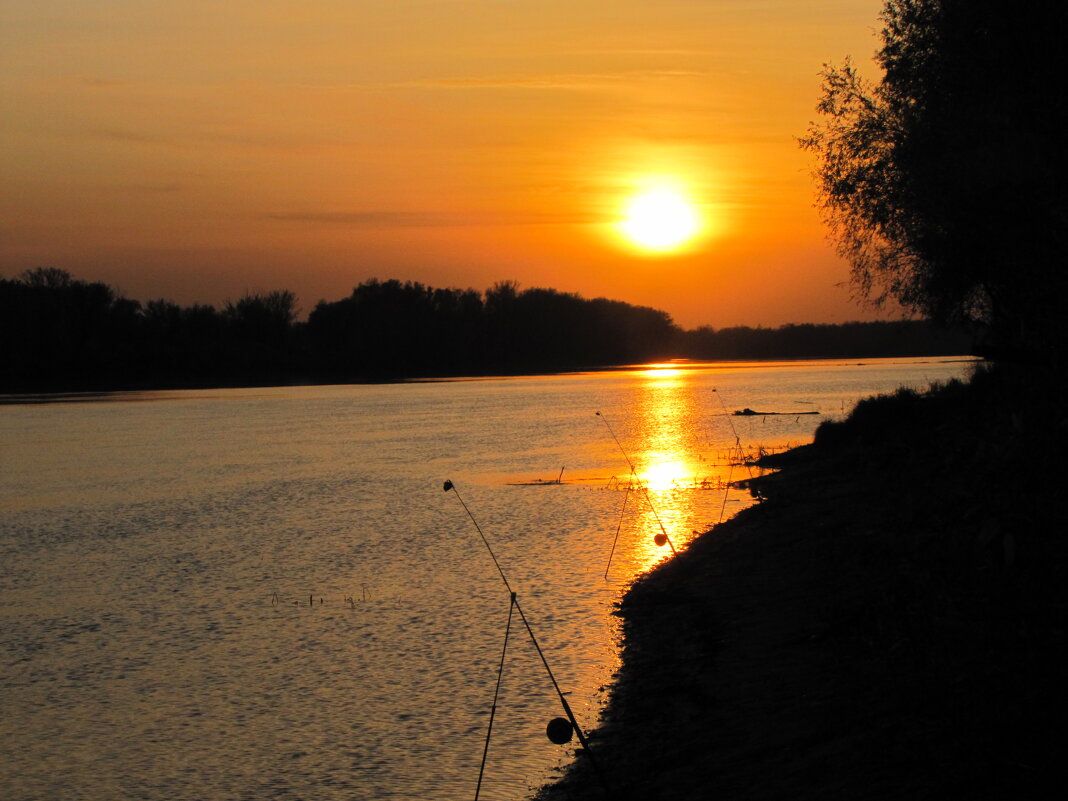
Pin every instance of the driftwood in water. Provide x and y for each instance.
(747, 412)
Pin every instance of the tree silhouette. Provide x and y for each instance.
(60, 333)
(944, 183)
(263, 316)
(261, 327)
(46, 278)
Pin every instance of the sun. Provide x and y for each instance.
(659, 220)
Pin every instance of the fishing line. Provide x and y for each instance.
(496, 693)
(450, 486)
(726, 492)
(619, 525)
(645, 489)
(534, 640)
(730, 464)
(737, 439)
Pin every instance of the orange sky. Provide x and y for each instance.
(199, 149)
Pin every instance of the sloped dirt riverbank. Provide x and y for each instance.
(887, 624)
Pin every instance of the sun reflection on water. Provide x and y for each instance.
(661, 371)
(666, 473)
(667, 437)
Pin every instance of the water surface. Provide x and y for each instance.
(266, 594)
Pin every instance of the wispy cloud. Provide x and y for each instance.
(364, 219)
(104, 83)
(573, 80)
(134, 137)
(427, 219)
(153, 189)
(225, 136)
(562, 80)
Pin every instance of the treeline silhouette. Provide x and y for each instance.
(65, 334)
(822, 341)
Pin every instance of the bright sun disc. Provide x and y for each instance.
(659, 220)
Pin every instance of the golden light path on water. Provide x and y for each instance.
(667, 421)
(668, 440)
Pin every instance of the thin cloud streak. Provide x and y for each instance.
(421, 219)
(564, 80)
(577, 80)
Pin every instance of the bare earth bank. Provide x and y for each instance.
(889, 623)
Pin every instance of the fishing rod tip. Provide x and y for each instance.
(448, 486)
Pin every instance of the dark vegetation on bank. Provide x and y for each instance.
(65, 334)
(890, 622)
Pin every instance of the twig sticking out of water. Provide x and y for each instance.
(348, 599)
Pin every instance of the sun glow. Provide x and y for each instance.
(660, 220)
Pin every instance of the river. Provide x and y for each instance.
(266, 593)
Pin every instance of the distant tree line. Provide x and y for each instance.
(64, 334)
(812, 341)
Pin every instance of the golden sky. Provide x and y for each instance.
(198, 149)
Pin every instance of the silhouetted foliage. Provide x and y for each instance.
(64, 334)
(945, 183)
(58, 332)
(392, 329)
(259, 336)
(389, 329)
(841, 341)
(263, 317)
(186, 342)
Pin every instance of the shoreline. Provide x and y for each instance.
(72, 393)
(879, 626)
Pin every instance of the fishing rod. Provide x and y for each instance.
(662, 537)
(553, 731)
